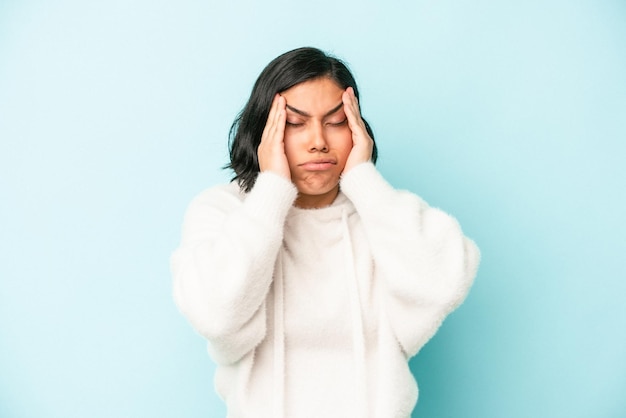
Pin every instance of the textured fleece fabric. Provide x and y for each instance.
(315, 312)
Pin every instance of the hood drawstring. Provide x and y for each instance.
(279, 340)
(358, 336)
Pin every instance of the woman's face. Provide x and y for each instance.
(317, 140)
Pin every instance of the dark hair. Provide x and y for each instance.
(284, 72)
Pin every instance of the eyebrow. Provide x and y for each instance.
(303, 113)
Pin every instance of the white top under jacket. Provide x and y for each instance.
(315, 312)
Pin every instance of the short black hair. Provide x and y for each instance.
(282, 73)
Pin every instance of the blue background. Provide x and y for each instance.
(510, 115)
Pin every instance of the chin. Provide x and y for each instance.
(312, 189)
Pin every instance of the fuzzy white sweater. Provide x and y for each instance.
(315, 312)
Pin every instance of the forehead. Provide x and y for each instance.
(315, 96)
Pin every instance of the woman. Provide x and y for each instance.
(313, 280)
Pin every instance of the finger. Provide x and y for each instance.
(351, 109)
(271, 117)
(282, 113)
(280, 110)
(278, 124)
(354, 102)
(347, 105)
(268, 123)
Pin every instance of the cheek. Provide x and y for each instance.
(342, 142)
(291, 148)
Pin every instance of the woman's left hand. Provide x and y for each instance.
(362, 143)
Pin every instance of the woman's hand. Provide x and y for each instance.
(362, 143)
(271, 151)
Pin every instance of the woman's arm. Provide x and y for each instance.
(223, 268)
(426, 262)
(420, 252)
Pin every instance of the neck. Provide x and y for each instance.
(306, 201)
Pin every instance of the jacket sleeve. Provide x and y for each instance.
(223, 269)
(420, 253)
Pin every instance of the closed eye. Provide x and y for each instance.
(337, 124)
(294, 124)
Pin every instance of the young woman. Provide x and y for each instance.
(313, 280)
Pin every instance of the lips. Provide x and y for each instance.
(319, 164)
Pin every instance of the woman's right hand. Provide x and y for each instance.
(271, 151)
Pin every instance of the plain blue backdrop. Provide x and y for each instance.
(509, 115)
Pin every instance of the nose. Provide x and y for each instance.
(317, 139)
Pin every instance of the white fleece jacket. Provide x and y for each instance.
(315, 312)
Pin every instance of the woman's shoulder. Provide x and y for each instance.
(222, 196)
(225, 189)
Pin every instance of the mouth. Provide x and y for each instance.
(319, 164)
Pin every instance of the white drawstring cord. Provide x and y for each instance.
(358, 337)
(279, 341)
